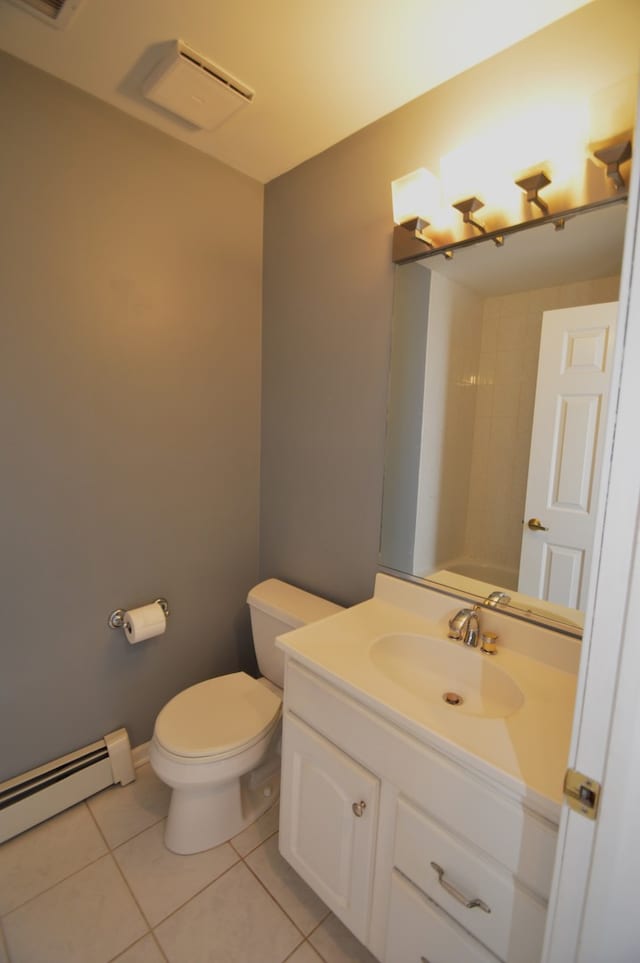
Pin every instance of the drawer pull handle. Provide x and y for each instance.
(461, 898)
(359, 808)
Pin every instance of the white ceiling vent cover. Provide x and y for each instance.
(190, 86)
(57, 13)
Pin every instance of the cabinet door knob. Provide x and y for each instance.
(359, 808)
(460, 897)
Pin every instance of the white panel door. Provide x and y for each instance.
(572, 394)
(328, 822)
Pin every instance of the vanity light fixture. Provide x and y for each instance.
(415, 196)
(531, 185)
(467, 207)
(418, 226)
(419, 194)
(612, 156)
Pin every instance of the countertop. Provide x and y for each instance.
(525, 753)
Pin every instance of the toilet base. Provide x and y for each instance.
(201, 818)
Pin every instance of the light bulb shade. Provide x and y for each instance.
(416, 195)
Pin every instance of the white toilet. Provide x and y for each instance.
(217, 744)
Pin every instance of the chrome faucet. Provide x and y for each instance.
(465, 626)
(496, 598)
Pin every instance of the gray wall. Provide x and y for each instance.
(130, 288)
(328, 294)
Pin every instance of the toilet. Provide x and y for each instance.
(217, 743)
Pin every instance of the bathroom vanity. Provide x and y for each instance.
(429, 829)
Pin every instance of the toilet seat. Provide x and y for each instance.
(217, 718)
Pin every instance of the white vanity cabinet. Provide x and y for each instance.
(396, 837)
(329, 819)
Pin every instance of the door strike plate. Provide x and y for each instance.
(582, 793)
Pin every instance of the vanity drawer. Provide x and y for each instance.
(420, 841)
(418, 932)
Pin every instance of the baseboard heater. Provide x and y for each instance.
(37, 795)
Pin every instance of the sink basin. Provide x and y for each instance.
(432, 668)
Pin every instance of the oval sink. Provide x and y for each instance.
(434, 668)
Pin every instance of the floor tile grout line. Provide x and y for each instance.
(197, 893)
(151, 928)
(275, 900)
(315, 930)
(313, 948)
(133, 896)
(48, 889)
(318, 925)
(139, 832)
(114, 959)
(159, 945)
(126, 882)
(257, 846)
(97, 825)
(255, 823)
(200, 891)
(293, 952)
(63, 878)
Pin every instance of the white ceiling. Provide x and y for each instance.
(321, 69)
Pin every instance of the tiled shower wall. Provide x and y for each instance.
(511, 327)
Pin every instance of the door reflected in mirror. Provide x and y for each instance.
(498, 400)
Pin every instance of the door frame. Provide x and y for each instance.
(590, 916)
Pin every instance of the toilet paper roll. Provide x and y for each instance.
(144, 623)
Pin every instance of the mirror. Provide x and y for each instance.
(476, 419)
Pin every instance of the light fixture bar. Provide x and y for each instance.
(612, 156)
(467, 207)
(405, 249)
(532, 185)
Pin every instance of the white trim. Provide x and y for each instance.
(140, 754)
(588, 850)
(611, 927)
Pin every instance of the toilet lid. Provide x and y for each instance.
(217, 716)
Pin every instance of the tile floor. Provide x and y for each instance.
(96, 884)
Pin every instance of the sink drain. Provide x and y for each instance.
(453, 699)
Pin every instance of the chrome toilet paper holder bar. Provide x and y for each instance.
(116, 619)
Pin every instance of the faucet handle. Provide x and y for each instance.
(488, 642)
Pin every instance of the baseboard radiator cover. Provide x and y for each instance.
(37, 795)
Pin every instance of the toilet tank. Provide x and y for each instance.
(277, 607)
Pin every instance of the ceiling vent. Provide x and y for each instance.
(56, 13)
(191, 87)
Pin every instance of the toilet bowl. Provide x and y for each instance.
(217, 743)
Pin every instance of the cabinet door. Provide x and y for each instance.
(328, 821)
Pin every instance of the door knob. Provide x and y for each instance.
(359, 808)
(536, 525)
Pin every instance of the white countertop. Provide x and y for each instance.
(526, 752)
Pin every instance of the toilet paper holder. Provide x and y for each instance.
(116, 619)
